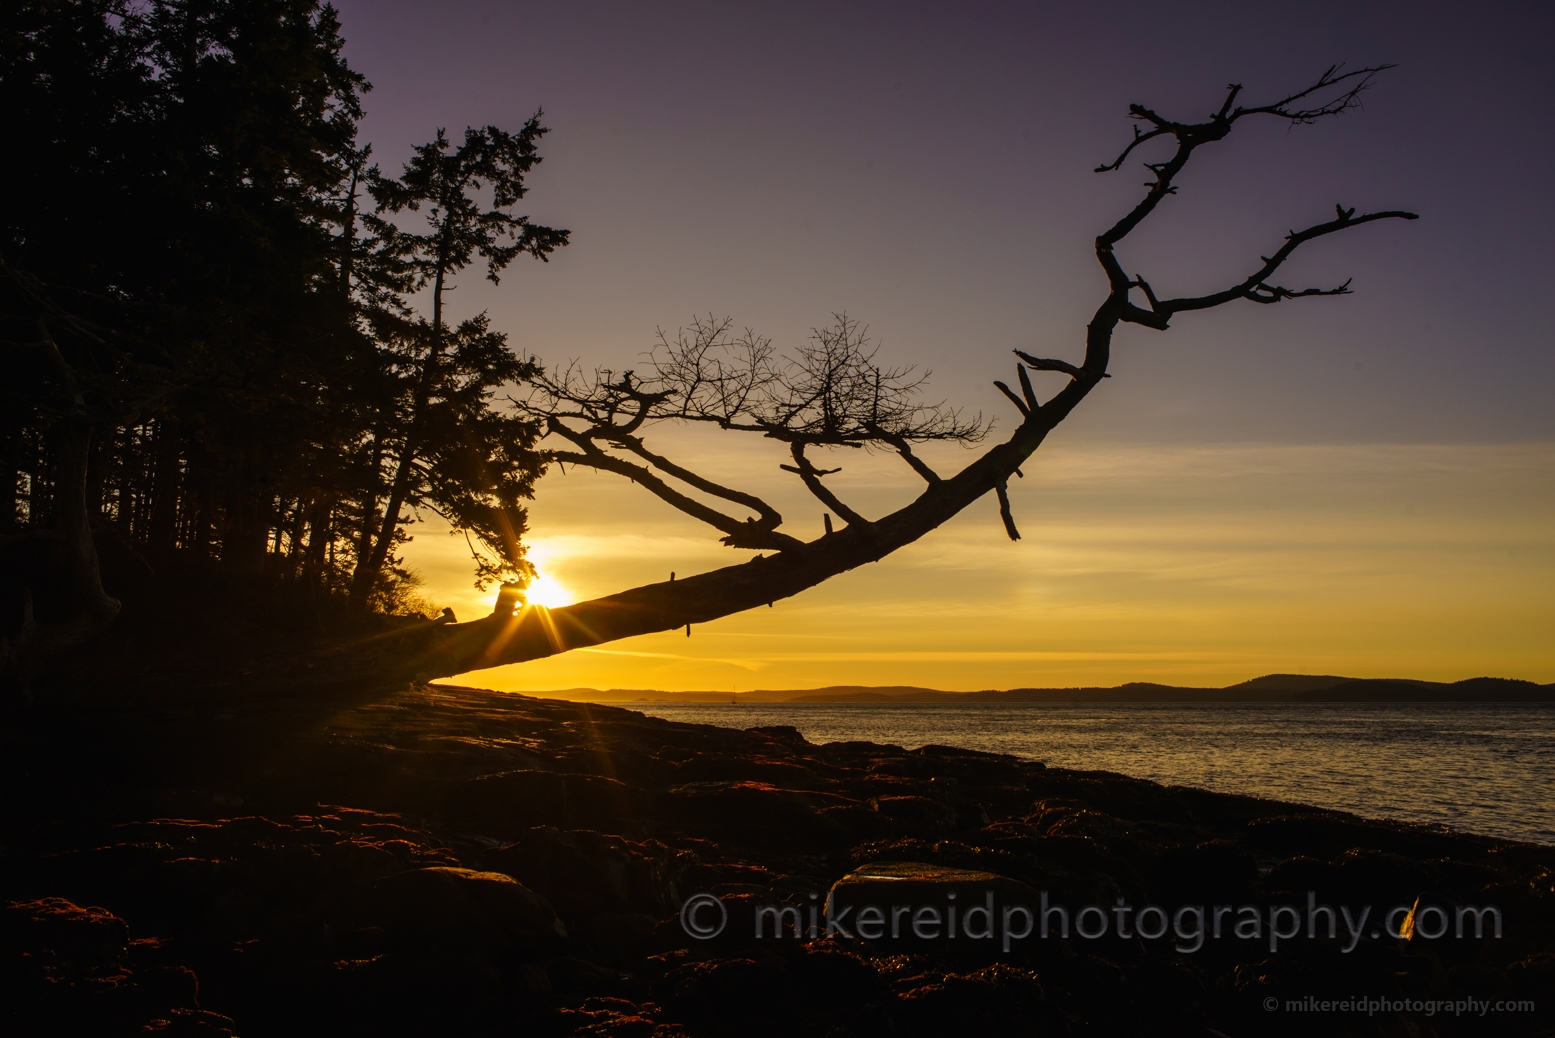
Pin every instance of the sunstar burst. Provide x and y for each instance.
(547, 591)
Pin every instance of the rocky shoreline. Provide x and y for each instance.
(445, 860)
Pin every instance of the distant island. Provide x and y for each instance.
(1271, 688)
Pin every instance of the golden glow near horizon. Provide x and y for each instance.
(1191, 565)
(545, 590)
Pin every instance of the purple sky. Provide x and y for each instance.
(927, 168)
(1362, 485)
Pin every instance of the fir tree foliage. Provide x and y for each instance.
(465, 195)
(210, 319)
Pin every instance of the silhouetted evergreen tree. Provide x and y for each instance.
(449, 186)
(204, 325)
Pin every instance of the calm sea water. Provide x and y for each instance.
(1482, 769)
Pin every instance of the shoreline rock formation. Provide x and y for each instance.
(451, 861)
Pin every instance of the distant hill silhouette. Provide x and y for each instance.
(1291, 682)
(1470, 690)
(1270, 688)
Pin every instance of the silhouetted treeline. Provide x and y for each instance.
(204, 315)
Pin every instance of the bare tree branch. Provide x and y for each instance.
(1350, 98)
(905, 451)
(830, 393)
(1049, 364)
(833, 394)
(1256, 286)
(1020, 405)
(812, 481)
(1140, 137)
(748, 533)
(739, 534)
(1193, 135)
(1025, 388)
(769, 515)
(1003, 491)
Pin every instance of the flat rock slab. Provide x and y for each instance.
(914, 903)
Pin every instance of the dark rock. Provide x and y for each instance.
(927, 814)
(706, 767)
(346, 897)
(620, 936)
(611, 1018)
(804, 990)
(63, 939)
(781, 733)
(912, 905)
(443, 905)
(758, 813)
(1329, 834)
(1215, 871)
(997, 999)
(516, 800)
(1358, 877)
(65, 969)
(1116, 795)
(583, 873)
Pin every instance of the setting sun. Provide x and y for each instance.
(548, 592)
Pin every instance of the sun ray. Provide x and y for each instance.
(547, 591)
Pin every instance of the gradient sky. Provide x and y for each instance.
(1362, 485)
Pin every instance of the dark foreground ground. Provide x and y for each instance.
(240, 863)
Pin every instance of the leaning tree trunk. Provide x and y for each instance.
(513, 635)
